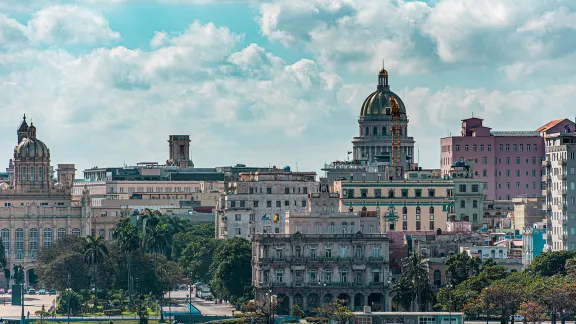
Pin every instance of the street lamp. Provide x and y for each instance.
(69, 292)
(449, 285)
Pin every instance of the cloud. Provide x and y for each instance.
(12, 33)
(70, 25)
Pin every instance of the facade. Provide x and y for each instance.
(374, 140)
(527, 212)
(495, 211)
(468, 194)
(309, 270)
(507, 162)
(533, 243)
(35, 209)
(421, 203)
(487, 252)
(258, 202)
(369, 317)
(559, 189)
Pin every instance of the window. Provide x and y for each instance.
(417, 225)
(5, 233)
(457, 148)
(238, 217)
(375, 251)
(475, 188)
(466, 148)
(507, 160)
(251, 190)
(508, 172)
(514, 147)
(528, 147)
(517, 172)
(501, 147)
(534, 147)
(517, 160)
(23, 173)
(489, 147)
(484, 173)
(278, 204)
(517, 185)
(474, 148)
(61, 233)
(474, 203)
(47, 238)
(305, 190)
(462, 188)
(242, 203)
(279, 275)
(377, 193)
(312, 275)
(418, 192)
(76, 232)
(286, 190)
(269, 204)
(404, 210)
(418, 210)
(481, 147)
(431, 225)
(33, 244)
(19, 244)
(358, 252)
(427, 320)
(364, 193)
(298, 252)
(431, 192)
(328, 275)
(343, 251)
(462, 204)
(521, 147)
(371, 228)
(404, 226)
(534, 160)
(359, 276)
(238, 231)
(102, 233)
(390, 193)
(313, 252)
(328, 252)
(507, 147)
(431, 210)
(269, 191)
(279, 253)
(404, 193)
(332, 228)
(343, 275)
(376, 275)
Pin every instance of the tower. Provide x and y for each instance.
(179, 151)
(396, 139)
(22, 131)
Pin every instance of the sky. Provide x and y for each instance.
(273, 82)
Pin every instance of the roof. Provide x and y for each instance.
(515, 134)
(550, 124)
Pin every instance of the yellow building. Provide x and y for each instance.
(421, 203)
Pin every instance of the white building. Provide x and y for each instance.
(559, 190)
(258, 202)
(487, 252)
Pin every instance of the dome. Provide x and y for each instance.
(378, 102)
(31, 149)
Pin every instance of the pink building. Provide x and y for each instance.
(509, 162)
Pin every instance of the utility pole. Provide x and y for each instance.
(190, 304)
(21, 275)
(450, 298)
(69, 293)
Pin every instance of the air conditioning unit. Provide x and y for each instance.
(367, 309)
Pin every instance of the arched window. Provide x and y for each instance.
(475, 203)
(33, 244)
(5, 233)
(23, 173)
(418, 210)
(110, 233)
(367, 131)
(93, 232)
(75, 232)
(384, 133)
(47, 238)
(404, 210)
(431, 210)
(375, 131)
(61, 233)
(19, 244)
(102, 233)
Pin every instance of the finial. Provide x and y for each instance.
(24, 116)
(383, 65)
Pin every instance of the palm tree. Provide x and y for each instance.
(128, 240)
(155, 241)
(415, 268)
(95, 252)
(403, 294)
(150, 218)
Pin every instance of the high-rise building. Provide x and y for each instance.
(509, 162)
(560, 189)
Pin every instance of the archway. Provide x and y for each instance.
(376, 300)
(32, 278)
(312, 302)
(328, 298)
(283, 305)
(344, 298)
(358, 302)
(299, 300)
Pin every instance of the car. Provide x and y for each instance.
(517, 318)
(31, 291)
(42, 291)
(52, 292)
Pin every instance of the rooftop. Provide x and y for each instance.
(514, 134)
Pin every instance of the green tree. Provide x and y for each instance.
(571, 269)
(296, 311)
(64, 258)
(76, 302)
(403, 294)
(128, 240)
(532, 312)
(205, 230)
(415, 268)
(42, 313)
(95, 252)
(551, 263)
(504, 298)
(232, 268)
(197, 257)
(155, 242)
(336, 310)
(3, 260)
(460, 266)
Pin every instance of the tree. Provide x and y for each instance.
(42, 313)
(232, 268)
(552, 294)
(3, 260)
(263, 310)
(460, 266)
(571, 269)
(95, 252)
(128, 240)
(76, 302)
(403, 294)
(64, 258)
(504, 299)
(551, 263)
(296, 311)
(532, 312)
(197, 257)
(415, 268)
(337, 310)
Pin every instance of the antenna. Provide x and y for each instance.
(418, 154)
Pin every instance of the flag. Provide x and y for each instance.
(265, 217)
(276, 217)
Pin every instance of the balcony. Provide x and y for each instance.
(561, 176)
(548, 207)
(546, 163)
(563, 162)
(564, 192)
(547, 192)
(564, 237)
(564, 207)
(378, 258)
(546, 178)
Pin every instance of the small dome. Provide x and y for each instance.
(31, 149)
(4, 186)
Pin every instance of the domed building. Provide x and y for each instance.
(374, 141)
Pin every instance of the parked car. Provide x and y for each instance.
(31, 291)
(52, 292)
(42, 291)
(517, 318)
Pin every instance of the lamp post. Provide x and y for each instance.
(69, 291)
(449, 298)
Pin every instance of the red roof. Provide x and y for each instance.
(550, 124)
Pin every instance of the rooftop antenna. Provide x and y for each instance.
(418, 154)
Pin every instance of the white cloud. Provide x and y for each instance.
(12, 33)
(70, 25)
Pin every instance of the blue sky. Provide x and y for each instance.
(274, 82)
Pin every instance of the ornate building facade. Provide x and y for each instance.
(374, 141)
(324, 257)
(35, 208)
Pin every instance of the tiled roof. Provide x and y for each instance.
(515, 134)
(550, 124)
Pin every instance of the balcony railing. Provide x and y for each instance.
(546, 163)
(546, 178)
(316, 284)
(561, 176)
(305, 259)
(564, 207)
(563, 161)
(564, 237)
(564, 192)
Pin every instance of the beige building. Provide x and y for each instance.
(35, 209)
(527, 212)
(323, 256)
(468, 194)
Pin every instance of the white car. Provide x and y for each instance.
(517, 318)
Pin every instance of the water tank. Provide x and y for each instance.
(367, 309)
(286, 169)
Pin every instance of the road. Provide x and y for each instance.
(205, 307)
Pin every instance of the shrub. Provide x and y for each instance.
(113, 312)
